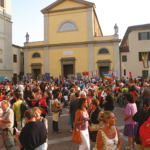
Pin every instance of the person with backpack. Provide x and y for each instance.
(141, 117)
(17, 110)
(125, 91)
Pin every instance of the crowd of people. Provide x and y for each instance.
(25, 105)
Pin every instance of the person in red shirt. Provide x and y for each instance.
(43, 105)
(1, 96)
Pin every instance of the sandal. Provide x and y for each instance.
(129, 147)
(134, 144)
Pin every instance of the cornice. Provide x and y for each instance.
(73, 43)
(68, 9)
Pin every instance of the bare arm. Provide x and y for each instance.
(5, 121)
(56, 103)
(99, 141)
(119, 139)
(126, 117)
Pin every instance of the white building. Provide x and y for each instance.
(11, 56)
(6, 65)
(134, 51)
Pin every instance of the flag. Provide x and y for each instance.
(130, 74)
(107, 76)
(145, 63)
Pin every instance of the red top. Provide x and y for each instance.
(134, 93)
(43, 104)
(1, 98)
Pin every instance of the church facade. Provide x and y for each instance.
(73, 43)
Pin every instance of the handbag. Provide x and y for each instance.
(55, 109)
(95, 127)
(76, 136)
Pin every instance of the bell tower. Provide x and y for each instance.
(6, 62)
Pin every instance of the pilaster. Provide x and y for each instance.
(46, 29)
(26, 62)
(91, 58)
(90, 23)
(46, 60)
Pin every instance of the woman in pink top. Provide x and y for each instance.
(130, 126)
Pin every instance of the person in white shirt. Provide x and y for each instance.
(21, 89)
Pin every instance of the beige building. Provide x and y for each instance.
(135, 52)
(18, 62)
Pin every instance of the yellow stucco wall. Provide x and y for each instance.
(78, 16)
(104, 57)
(103, 38)
(67, 4)
(81, 62)
(35, 43)
(36, 60)
(96, 26)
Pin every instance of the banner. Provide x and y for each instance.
(29, 76)
(23, 78)
(145, 59)
(40, 76)
(107, 76)
(79, 76)
(95, 73)
(130, 74)
(47, 76)
(2, 79)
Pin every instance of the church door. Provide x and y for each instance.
(68, 70)
(103, 69)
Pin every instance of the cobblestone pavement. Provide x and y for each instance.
(63, 141)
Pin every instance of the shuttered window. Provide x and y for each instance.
(145, 73)
(144, 35)
(15, 58)
(124, 58)
(140, 56)
(124, 72)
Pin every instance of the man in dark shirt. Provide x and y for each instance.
(108, 102)
(73, 105)
(141, 116)
(33, 135)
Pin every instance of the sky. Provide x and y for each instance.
(27, 17)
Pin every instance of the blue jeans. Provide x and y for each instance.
(123, 102)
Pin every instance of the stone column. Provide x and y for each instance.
(26, 62)
(46, 29)
(91, 58)
(116, 56)
(46, 60)
(46, 41)
(90, 23)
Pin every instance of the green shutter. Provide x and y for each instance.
(124, 58)
(139, 36)
(145, 73)
(140, 56)
(148, 56)
(148, 36)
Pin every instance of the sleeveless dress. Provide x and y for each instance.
(110, 144)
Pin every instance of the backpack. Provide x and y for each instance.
(24, 106)
(124, 93)
(144, 133)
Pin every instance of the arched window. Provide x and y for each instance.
(67, 25)
(103, 51)
(36, 55)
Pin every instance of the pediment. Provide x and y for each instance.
(66, 4)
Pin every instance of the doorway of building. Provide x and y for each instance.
(68, 69)
(15, 78)
(103, 69)
(36, 73)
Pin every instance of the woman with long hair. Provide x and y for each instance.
(38, 96)
(29, 96)
(81, 123)
(56, 114)
(43, 104)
